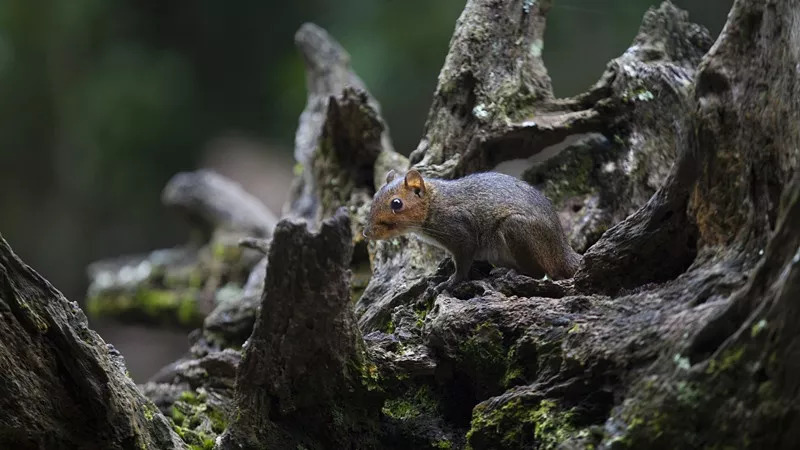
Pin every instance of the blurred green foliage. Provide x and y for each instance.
(101, 101)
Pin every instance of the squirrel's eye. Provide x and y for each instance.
(396, 204)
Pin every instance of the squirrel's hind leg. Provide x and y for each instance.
(536, 248)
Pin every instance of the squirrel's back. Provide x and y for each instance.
(499, 193)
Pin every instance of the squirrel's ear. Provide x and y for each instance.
(391, 176)
(415, 182)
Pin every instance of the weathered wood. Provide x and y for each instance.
(304, 379)
(736, 156)
(492, 73)
(328, 75)
(213, 202)
(179, 286)
(637, 108)
(678, 331)
(61, 386)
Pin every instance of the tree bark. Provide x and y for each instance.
(179, 286)
(304, 380)
(61, 386)
(675, 174)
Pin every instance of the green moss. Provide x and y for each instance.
(149, 411)
(225, 253)
(728, 360)
(552, 426)
(36, 319)
(411, 405)
(196, 279)
(565, 177)
(218, 420)
(672, 410)
(399, 409)
(766, 390)
(420, 318)
(197, 422)
(218, 251)
(177, 416)
(370, 376)
(208, 443)
(334, 185)
(448, 87)
(233, 254)
(515, 425)
(356, 293)
(652, 426)
(640, 94)
(198, 441)
(721, 407)
(188, 312)
(512, 375)
(443, 444)
(390, 327)
(157, 302)
(535, 355)
(189, 397)
(758, 327)
(156, 305)
(421, 310)
(688, 394)
(515, 100)
(483, 353)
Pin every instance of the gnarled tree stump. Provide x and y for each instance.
(675, 174)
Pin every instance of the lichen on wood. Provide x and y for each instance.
(180, 286)
(304, 379)
(678, 177)
(63, 386)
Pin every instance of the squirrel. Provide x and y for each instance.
(485, 216)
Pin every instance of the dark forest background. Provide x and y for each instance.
(102, 101)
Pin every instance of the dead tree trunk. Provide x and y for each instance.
(304, 380)
(61, 386)
(678, 181)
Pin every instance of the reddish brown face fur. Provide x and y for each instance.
(400, 206)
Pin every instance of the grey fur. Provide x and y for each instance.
(497, 218)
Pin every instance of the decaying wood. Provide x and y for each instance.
(675, 174)
(180, 286)
(303, 380)
(212, 202)
(61, 386)
(328, 74)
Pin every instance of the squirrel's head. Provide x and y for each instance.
(399, 206)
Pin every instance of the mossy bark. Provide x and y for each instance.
(180, 286)
(678, 331)
(61, 386)
(304, 380)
